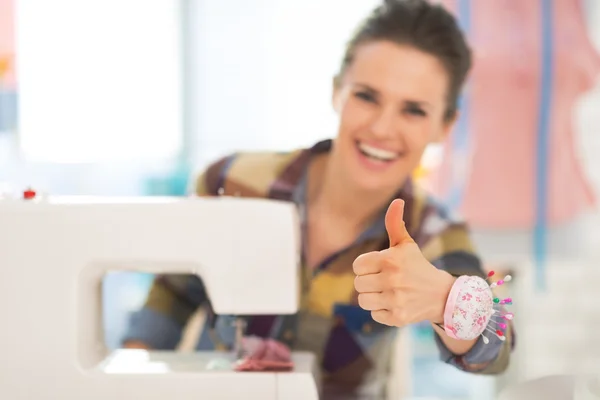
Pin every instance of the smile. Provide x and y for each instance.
(377, 153)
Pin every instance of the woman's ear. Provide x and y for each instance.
(447, 127)
(335, 93)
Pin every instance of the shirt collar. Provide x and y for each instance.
(292, 185)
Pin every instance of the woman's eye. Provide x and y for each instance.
(416, 111)
(366, 97)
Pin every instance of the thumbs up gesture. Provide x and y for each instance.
(398, 285)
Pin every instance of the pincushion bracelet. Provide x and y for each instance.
(471, 309)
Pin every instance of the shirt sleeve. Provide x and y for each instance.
(170, 303)
(174, 298)
(451, 249)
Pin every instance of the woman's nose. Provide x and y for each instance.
(383, 125)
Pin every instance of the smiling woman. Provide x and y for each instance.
(395, 93)
(390, 109)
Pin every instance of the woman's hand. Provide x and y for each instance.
(398, 285)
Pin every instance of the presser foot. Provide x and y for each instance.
(240, 328)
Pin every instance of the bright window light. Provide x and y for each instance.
(264, 72)
(99, 80)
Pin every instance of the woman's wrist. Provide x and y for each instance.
(445, 282)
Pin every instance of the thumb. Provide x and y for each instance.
(394, 224)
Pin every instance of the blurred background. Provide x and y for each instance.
(133, 97)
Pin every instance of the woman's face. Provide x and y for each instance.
(391, 103)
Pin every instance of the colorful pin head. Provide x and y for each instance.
(497, 327)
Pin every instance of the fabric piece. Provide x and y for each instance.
(258, 348)
(250, 365)
(264, 355)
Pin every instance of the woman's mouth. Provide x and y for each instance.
(376, 153)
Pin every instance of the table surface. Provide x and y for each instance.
(556, 387)
(547, 388)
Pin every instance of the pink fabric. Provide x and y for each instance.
(504, 98)
(265, 355)
(468, 308)
(7, 41)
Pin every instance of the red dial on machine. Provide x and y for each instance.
(29, 194)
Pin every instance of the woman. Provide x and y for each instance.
(396, 92)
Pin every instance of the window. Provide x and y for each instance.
(263, 71)
(99, 80)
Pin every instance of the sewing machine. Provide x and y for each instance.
(55, 252)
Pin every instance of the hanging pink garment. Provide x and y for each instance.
(7, 43)
(503, 99)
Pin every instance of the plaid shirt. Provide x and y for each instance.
(354, 351)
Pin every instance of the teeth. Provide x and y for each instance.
(374, 152)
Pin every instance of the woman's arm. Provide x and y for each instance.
(471, 355)
(401, 286)
(171, 302)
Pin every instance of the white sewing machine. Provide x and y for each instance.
(54, 253)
